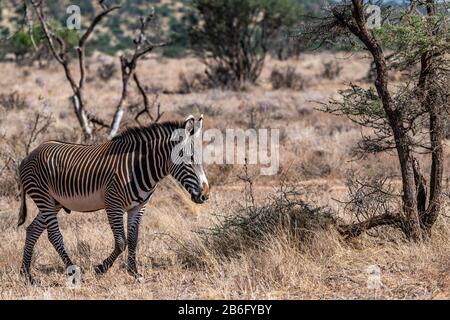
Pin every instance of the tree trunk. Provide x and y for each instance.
(437, 168)
(412, 221)
(432, 101)
(82, 117)
(127, 70)
(413, 230)
(115, 125)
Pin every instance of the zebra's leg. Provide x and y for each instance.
(33, 232)
(115, 218)
(56, 238)
(134, 218)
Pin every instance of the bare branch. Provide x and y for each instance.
(94, 23)
(85, 37)
(58, 54)
(142, 46)
(146, 109)
(96, 120)
(58, 48)
(40, 125)
(354, 230)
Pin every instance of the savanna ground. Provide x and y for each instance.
(176, 260)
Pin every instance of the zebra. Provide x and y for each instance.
(119, 176)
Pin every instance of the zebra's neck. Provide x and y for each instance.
(148, 154)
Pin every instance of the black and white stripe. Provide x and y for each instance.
(118, 176)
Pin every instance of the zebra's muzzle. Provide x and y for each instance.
(199, 197)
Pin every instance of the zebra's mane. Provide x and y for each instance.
(137, 132)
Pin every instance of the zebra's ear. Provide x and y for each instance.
(200, 122)
(198, 127)
(189, 125)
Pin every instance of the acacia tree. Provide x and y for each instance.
(408, 119)
(232, 37)
(60, 52)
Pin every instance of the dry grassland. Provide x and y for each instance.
(315, 155)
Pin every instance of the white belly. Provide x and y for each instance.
(92, 202)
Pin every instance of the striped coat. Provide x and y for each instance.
(118, 176)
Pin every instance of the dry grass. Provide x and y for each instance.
(321, 266)
(315, 150)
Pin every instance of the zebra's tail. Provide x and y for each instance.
(23, 206)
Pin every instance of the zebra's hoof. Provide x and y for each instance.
(135, 274)
(99, 269)
(29, 280)
(140, 279)
(32, 282)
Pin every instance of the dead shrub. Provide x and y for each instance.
(106, 71)
(263, 113)
(15, 148)
(13, 101)
(7, 171)
(331, 70)
(219, 174)
(199, 108)
(369, 197)
(317, 164)
(250, 226)
(304, 112)
(194, 83)
(287, 78)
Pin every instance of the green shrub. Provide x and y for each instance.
(233, 36)
(174, 51)
(21, 44)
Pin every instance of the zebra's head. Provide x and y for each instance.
(186, 160)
